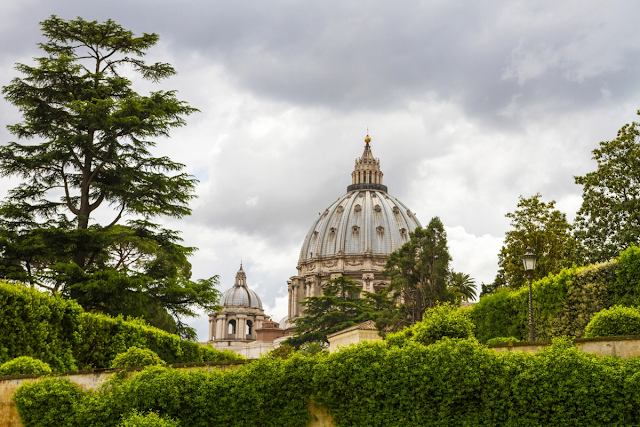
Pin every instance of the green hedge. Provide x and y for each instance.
(37, 325)
(266, 392)
(614, 321)
(454, 382)
(135, 357)
(445, 320)
(563, 304)
(24, 365)
(58, 332)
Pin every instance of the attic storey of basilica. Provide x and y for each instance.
(353, 236)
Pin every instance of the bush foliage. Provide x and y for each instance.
(24, 365)
(266, 392)
(149, 420)
(563, 304)
(444, 320)
(614, 321)
(452, 382)
(135, 356)
(61, 334)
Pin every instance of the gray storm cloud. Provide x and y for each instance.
(469, 104)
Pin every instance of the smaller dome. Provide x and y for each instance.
(240, 295)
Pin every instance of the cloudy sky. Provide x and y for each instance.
(469, 105)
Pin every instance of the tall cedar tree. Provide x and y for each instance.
(609, 219)
(90, 138)
(339, 307)
(538, 225)
(418, 273)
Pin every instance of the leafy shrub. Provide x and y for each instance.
(24, 365)
(48, 402)
(502, 340)
(456, 382)
(563, 304)
(38, 325)
(284, 351)
(104, 337)
(135, 356)
(210, 354)
(444, 320)
(614, 321)
(266, 392)
(58, 332)
(626, 287)
(462, 383)
(149, 420)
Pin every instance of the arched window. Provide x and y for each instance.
(249, 328)
(231, 328)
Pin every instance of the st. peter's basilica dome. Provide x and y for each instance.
(353, 237)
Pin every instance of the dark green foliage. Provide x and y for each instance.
(609, 219)
(284, 351)
(338, 308)
(210, 354)
(149, 420)
(418, 273)
(313, 348)
(40, 326)
(24, 365)
(461, 383)
(502, 340)
(563, 304)
(613, 321)
(626, 288)
(266, 392)
(442, 321)
(134, 357)
(90, 137)
(538, 225)
(462, 286)
(48, 402)
(58, 332)
(454, 382)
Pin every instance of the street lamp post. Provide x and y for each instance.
(529, 261)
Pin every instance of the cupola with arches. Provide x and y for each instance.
(240, 316)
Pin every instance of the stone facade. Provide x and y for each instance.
(353, 237)
(363, 332)
(241, 316)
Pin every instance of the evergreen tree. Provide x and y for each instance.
(418, 274)
(90, 136)
(339, 307)
(609, 219)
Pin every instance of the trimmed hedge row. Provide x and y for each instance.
(563, 304)
(452, 382)
(61, 334)
(266, 392)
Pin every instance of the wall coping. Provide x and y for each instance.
(575, 340)
(130, 369)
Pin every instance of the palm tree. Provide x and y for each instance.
(462, 286)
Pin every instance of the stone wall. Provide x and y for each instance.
(624, 347)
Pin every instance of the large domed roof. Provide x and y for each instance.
(360, 222)
(365, 220)
(240, 295)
